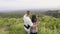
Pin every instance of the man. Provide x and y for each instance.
(27, 22)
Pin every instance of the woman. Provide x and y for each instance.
(35, 22)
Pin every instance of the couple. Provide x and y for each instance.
(30, 25)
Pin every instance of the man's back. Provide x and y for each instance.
(27, 21)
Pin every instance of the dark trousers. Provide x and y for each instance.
(33, 33)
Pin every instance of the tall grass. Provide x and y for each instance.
(47, 25)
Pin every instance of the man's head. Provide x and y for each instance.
(28, 12)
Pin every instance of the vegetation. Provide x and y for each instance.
(12, 22)
(47, 25)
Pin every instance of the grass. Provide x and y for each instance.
(47, 25)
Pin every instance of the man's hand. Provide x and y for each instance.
(34, 26)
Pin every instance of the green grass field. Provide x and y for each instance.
(47, 25)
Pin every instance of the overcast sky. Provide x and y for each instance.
(29, 4)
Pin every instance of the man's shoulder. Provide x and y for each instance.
(25, 15)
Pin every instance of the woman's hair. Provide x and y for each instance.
(33, 18)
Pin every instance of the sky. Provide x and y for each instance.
(29, 4)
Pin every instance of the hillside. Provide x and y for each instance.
(47, 25)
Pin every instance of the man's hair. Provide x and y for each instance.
(28, 11)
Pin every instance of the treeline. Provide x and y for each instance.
(55, 13)
(18, 14)
(11, 15)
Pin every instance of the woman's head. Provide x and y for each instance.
(34, 18)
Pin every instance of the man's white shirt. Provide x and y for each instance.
(27, 21)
